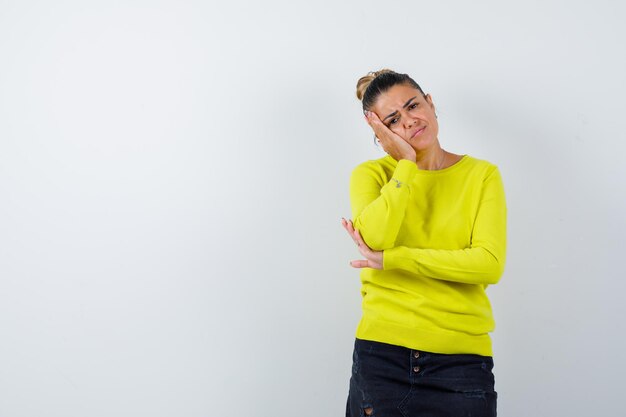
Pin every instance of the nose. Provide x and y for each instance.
(409, 122)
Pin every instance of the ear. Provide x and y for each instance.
(429, 100)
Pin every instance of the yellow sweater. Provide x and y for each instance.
(444, 239)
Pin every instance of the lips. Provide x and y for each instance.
(418, 132)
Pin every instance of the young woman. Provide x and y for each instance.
(431, 227)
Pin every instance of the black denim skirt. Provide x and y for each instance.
(394, 381)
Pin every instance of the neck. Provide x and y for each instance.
(431, 159)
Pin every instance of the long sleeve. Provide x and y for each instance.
(480, 263)
(378, 207)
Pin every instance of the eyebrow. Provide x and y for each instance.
(404, 107)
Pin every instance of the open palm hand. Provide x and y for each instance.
(373, 259)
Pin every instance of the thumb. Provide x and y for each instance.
(359, 264)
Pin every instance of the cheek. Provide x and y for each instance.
(435, 125)
(398, 130)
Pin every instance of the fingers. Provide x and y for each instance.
(359, 264)
(363, 248)
(377, 125)
(355, 235)
(371, 117)
(347, 224)
(391, 142)
(358, 239)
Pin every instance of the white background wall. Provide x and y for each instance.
(173, 174)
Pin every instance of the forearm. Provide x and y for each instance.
(481, 262)
(378, 211)
(476, 265)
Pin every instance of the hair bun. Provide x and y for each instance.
(366, 80)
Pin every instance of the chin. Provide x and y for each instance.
(421, 144)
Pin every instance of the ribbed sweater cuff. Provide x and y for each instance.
(396, 258)
(404, 172)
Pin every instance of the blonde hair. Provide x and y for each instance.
(366, 80)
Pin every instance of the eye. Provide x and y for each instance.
(413, 105)
(393, 121)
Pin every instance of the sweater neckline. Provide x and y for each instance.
(452, 167)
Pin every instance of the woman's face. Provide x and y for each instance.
(409, 114)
